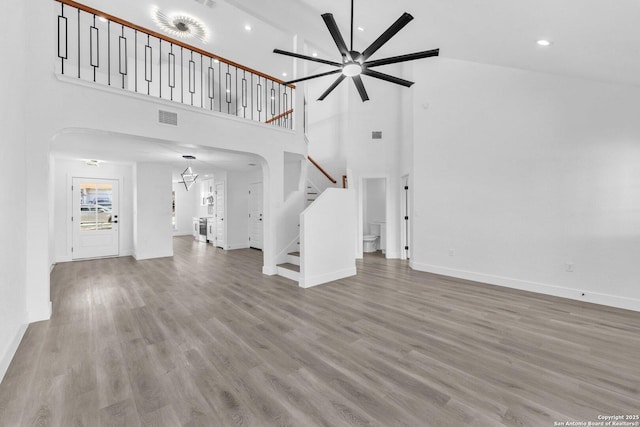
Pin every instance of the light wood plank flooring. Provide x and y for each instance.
(204, 339)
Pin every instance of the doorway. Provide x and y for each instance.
(95, 218)
(374, 215)
(255, 215)
(221, 231)
(405, 209)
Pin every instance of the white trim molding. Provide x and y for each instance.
(7, 357)
(325, 278)
(541, 288)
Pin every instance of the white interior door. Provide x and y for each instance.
(255, 215)
(95, 218)
(221, 232)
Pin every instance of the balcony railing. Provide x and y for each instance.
(97, 47)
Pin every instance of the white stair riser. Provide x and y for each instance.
(289, 274)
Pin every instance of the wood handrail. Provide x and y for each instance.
(279, 116)
(321, 170)
(168, 39)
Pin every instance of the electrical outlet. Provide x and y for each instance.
(452, 252)
(568, 267)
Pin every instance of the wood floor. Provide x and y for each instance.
(204, 339)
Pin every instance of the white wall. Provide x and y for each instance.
(152, 211)
(519, 173)
(327, 231)
(13, 191)
(64, 172)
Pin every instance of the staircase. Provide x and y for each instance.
(311, 193)
(291, 268)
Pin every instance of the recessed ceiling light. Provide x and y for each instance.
(247, 27)
(284, 74)
(93, 162)
(543, 43)
(102, 18)
(314, 54)
(216, 61)
(360, 29)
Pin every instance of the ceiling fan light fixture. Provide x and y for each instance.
(354, 63)
(352, 69)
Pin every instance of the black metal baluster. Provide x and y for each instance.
(62, 22)
(160, 67)
(135, 58)
(122, 65)
(251, 96)
(266, 83)
(236, 94)
(259, 99)
(273, 100)
(192, 77)
(78, 43)
(228, 89)
(148, 64)
(171, 64)
(279, 104)
(109, 53)
(219, 86)
(285, 107)
(201, 83)
(244, 94)
(181, 75)
(211, 83)
(94, 34)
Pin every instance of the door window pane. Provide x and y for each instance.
(95, 206)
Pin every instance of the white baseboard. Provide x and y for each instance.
(269, 270)
(392, 255)
(126, 252)
(153, 256)
(238, 246)
(327, 277)
(5, 361)
(40, 313)
(541, 288)
(289, 274)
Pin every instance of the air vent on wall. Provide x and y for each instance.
(376, 134)
(168, 118)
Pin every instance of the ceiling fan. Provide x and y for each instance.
(355, 63)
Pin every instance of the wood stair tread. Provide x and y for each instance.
(289, 266)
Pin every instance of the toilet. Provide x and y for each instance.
(370, 242)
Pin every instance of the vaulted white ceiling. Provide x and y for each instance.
(593, 39)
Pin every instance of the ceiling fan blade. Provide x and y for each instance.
(402, 58)
(308, 58)
(335, 33)
(387, 77)
(360, 86)
(332, 87)
(391, 31)
(313, 77)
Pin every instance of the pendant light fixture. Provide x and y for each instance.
(188, 176)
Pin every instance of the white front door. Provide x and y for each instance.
(95, 218)
(220, 214)
(255, 215)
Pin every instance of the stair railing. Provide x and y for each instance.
(325, 173)
(98, 47)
